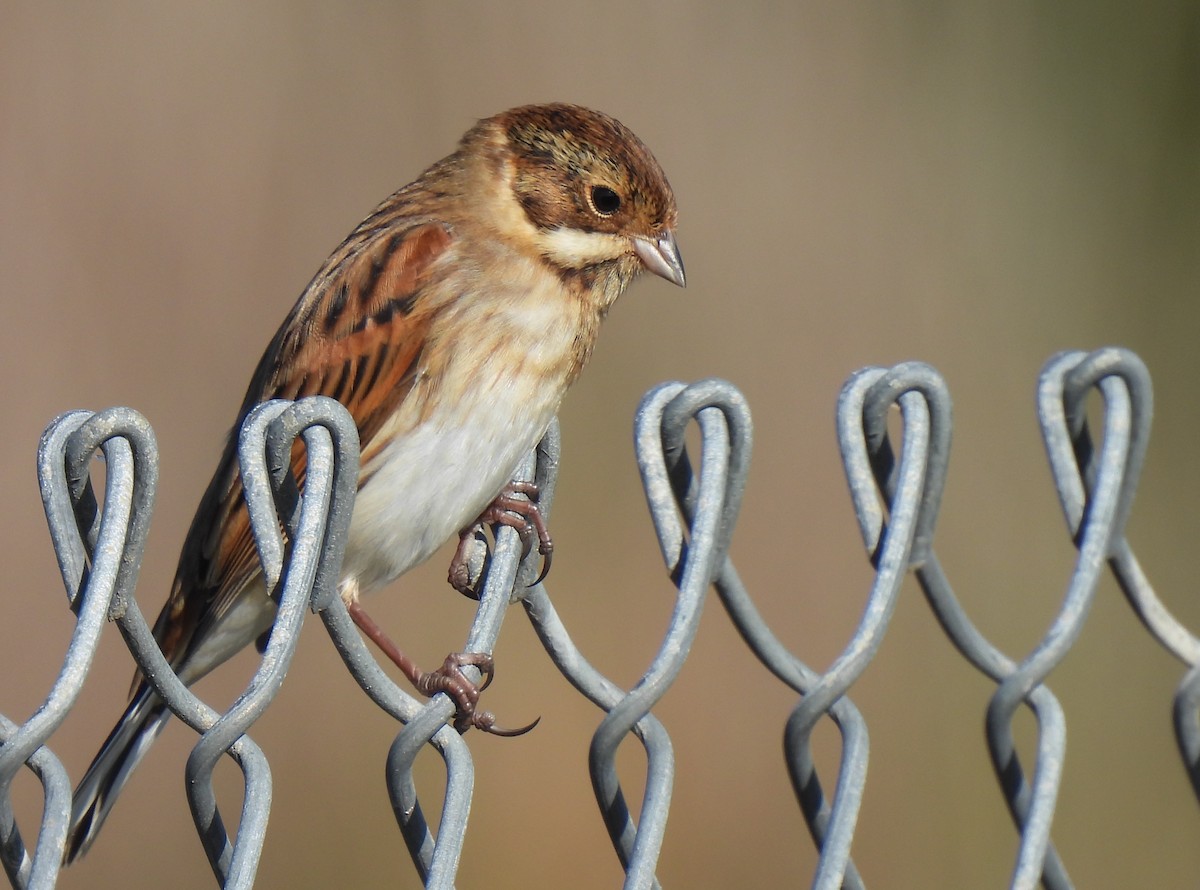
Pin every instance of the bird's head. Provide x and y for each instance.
(586, 193)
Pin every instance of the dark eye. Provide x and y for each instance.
(605, 201)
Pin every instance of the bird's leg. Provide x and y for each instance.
(448, 678)
(508, 508)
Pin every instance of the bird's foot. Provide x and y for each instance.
(449, 678)
(515, 506)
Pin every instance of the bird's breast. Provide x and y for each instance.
(481, 401)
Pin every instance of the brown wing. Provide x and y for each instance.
(356, 335)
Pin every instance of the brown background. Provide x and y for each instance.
(858, 185)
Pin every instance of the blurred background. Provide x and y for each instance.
(974, 185)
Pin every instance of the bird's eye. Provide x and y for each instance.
(605, 201)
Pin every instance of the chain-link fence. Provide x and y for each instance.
(896, 494)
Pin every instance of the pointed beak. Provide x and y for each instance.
(661, 257)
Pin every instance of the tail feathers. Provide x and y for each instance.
(124, 748)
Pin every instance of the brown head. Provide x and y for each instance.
(592, 200)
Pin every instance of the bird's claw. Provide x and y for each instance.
(485, 721)
(515, 506)
(450, 679)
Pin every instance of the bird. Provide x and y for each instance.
(450, 323)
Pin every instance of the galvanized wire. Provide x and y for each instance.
(300, 537)
(1096, 493)
(304, 574)
(99, 554)
(508, 572)
(896, 491)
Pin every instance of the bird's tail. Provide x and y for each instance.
(124, 748)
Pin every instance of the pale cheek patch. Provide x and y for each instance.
(576, 249)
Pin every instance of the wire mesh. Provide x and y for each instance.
(300, 535)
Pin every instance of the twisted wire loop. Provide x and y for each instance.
(297, 576)
(1084, 487)
(1121, 377)
(1095, 491)
(99, 553)
(912, 490)
(692, 557)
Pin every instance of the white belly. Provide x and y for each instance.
(453, 446)
(434, 480)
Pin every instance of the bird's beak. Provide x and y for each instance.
(661, 257)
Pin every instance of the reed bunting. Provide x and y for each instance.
(450, 323)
